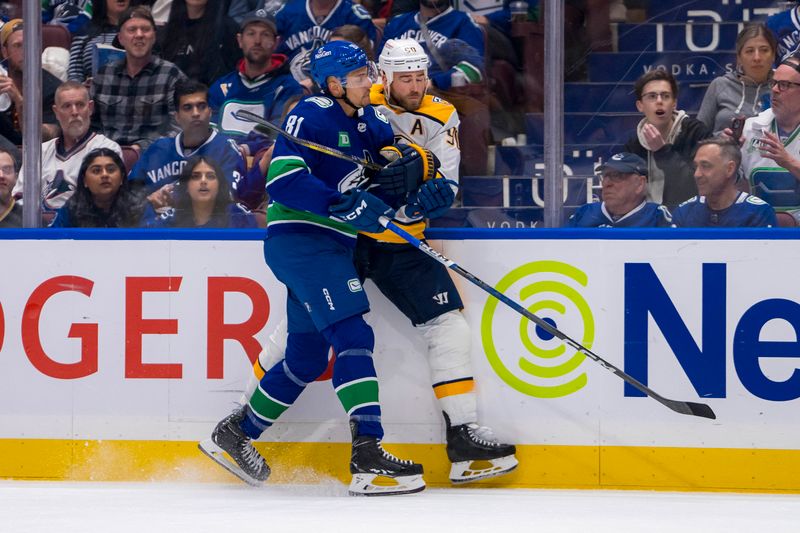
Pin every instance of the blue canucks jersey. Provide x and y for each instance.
(786, 28)
(235, 216)
(747, 211)
(266, 95)
(300, 31)
(646, 215)
(302, 183)
(164, 160)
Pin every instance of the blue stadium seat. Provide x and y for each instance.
(586, 128)
(730, 10)
(589, 97)
(685, 66)
(679, 36)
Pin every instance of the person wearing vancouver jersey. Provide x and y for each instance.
(319, 203)
(624, 205)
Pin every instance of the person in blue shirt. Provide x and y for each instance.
(720, 203)
(624, 205)
(319, 203)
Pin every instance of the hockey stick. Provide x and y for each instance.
(684, 408)
(249, 116)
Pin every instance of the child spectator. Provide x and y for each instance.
(102, 30)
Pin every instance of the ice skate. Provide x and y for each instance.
(376, 472)
(234, 451)
(475, 453)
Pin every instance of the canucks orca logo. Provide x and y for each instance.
(531, 360)
(356, 178)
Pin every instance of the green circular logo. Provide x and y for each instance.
(537, 363)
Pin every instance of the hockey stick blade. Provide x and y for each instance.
(249, 116)
(684, 408)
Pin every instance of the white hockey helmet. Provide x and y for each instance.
(402, 55)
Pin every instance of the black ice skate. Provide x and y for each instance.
(234, 451)
(476, 454)
(376, 472)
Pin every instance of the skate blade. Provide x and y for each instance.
(469, 471)
(375, 485)
(219, 456)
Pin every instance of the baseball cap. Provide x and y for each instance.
(8, 28)
(625, 162)
(139, 12)
(262, 16)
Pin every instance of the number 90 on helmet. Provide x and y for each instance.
(338, 59)
(402, 55)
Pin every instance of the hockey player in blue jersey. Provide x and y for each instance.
(161, 164)
(317, 208)
(624, 205)
(304, 25)
(720, 204)
(262, 83)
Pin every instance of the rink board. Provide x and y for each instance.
(118, 351)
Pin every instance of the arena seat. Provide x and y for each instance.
(56, 35)
(129, 156)
(786, 220)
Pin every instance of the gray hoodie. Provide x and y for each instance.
(730, 95)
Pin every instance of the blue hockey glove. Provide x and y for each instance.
(432, 199)
(361, 210)
(409, 166)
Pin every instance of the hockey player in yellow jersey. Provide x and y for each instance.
(419, 286)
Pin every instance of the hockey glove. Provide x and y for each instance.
(361, 210)
(410, 165)
(433, 198)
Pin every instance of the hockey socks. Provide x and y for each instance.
(356, 385)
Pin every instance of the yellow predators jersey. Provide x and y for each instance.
(434, 126)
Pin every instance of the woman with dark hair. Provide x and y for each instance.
(742, 91)
(100, 31)
(200, 39)
(202, 199)
(103, 196)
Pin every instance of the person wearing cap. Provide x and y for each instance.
(624, 205)
(11, 97)
(720, 203)
(133, 97)
(262, 83)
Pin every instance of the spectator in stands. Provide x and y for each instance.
(785, 26)
(10, 211)
(62, 156)
(73, 14)
(261, 83)
(103, 197)
(133, 97)
(11, 119)
(624, 205)
(305, 25)
(200, 39)
(238, 9)
(102, 30)
(771, 143)
(161, 164)
(666, 139)
(355, 35)
(203, 200)
(742, 91)
(720, 203)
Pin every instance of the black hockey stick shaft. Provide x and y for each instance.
(684, 408)
(248, 116)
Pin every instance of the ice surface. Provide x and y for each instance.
(65, 507)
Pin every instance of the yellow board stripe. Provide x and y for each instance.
(451, 389)
(577, 467)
